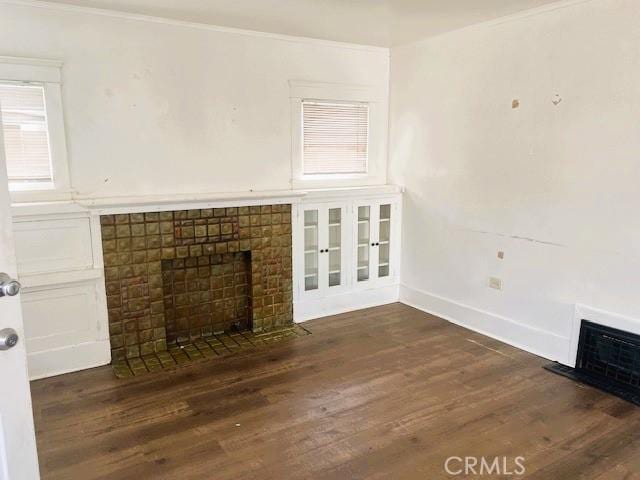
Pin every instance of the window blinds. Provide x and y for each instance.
(26, 139)
(335, 137)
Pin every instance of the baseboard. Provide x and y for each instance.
(68, 359)
(539, 342)
(343, 303)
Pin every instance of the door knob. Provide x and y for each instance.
(9, 287)
(8, 338)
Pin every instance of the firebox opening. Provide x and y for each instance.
(206, 295)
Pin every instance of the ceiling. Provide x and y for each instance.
(372, 22)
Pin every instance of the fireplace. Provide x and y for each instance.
(176, 276)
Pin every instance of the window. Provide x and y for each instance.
(33, 129)
(26, 135)
(335, 137)
(338, 134)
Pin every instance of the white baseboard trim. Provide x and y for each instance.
(343, 303)
(69, 359)
(539, 342)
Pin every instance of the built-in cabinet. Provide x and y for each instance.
(59, 259)
(325, 235)
(374, 264)
(346, 251)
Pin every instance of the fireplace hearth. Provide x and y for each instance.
(178, 276)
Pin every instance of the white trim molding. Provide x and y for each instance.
(19, 69)
(68, 359)
(48, 74)
(344, 302)
(79, 9)
(539, 342)
(302, 89)
(376, 96)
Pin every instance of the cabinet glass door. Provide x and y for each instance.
(364, 237)
(311, 272)
(335, 227)
(384, 240)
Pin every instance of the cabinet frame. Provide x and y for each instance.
(374, 280)
(323, 248)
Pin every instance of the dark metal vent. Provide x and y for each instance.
(608, 359)
(609, 354)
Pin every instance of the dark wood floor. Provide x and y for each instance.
(383, 393)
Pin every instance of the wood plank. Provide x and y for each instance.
(387, 392)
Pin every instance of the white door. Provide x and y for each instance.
(384, 230)
(364, 245)
(324, 232)
(333, 247)
(311, 285)
(18, 457)
(375, 224)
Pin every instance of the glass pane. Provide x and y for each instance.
(310, 239)
(383, 254)
(334, 236)
(26, 136)
(363, 274)
(310, 217)
(334, 261)
(311, 283)
(311, 250)
(335, 246)
(385, 230)
(385, 236)
(335, 215)
(385, 211)
(364, 213)
(335, 137)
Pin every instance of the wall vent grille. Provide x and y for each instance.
(608, 359)
(610, 354)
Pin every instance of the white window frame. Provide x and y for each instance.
(375, 97)
(48, 75)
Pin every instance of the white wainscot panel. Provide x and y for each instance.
(62, 330)
(53, 245)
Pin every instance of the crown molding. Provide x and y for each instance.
(194, 25)
(38, 62)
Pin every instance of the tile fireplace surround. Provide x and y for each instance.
(180, 275)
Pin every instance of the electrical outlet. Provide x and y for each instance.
(495, 283)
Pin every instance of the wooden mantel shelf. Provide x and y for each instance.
(151, 203)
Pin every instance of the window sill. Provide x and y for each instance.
(31, 196)
(336, 181)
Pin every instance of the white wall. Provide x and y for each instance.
(155, 108)
(557, 188)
